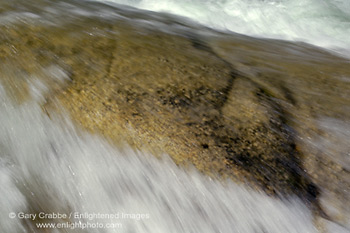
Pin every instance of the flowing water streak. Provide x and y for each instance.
(324, 23)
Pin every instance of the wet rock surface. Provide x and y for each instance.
(234, 107)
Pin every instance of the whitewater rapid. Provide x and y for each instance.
(324, 23)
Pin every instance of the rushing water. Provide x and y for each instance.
(323, 23)
(49, 166)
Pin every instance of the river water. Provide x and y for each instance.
(50, 166)
(323, 23)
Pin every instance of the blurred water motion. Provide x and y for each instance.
(249, 135)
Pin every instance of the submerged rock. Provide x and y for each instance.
(232, 106)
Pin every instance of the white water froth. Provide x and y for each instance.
(324, 23)
(47, 165)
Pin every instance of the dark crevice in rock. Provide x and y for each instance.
(201, 45)
(288, 94)
(226, 91)
(290, 160)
